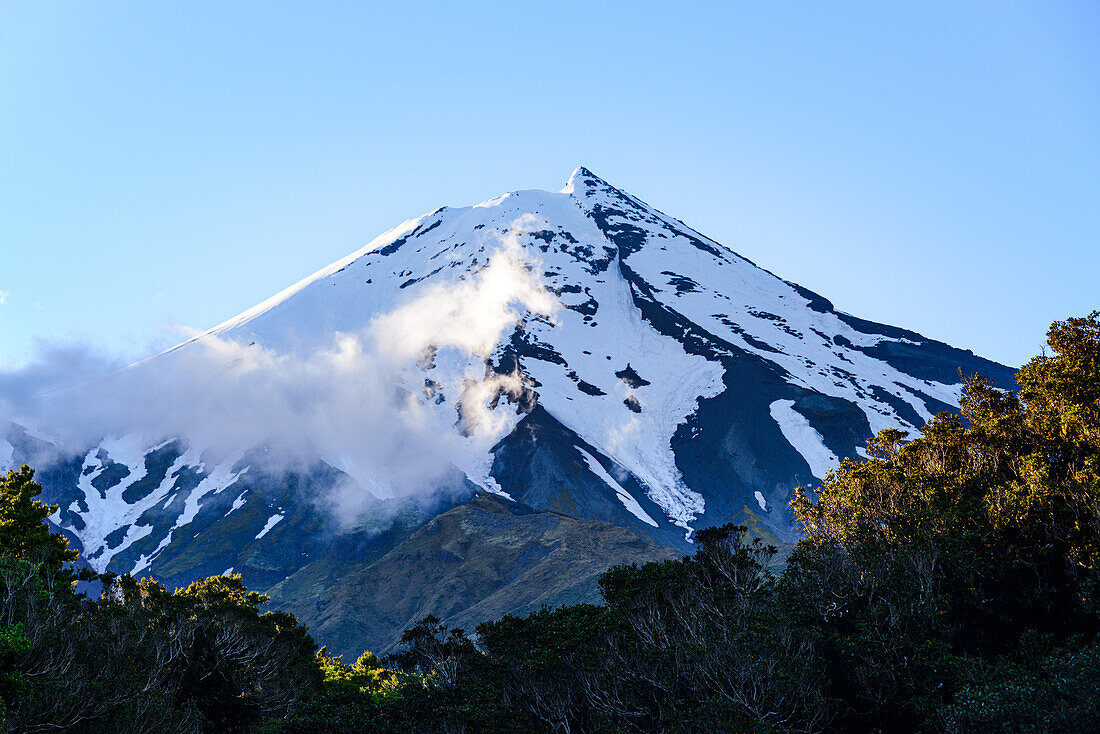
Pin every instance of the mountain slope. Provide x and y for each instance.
(479, 561)
(578, 352)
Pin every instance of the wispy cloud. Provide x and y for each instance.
(3, 297)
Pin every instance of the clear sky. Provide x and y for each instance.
(933, 166)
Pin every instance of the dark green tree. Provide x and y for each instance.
(24, 533)
(952, 548)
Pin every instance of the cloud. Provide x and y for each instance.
(3, 297)
(405, 406)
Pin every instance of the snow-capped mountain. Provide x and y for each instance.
(591, 355)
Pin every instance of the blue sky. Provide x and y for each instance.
(934, 166)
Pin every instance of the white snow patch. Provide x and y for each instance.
(271, 522)
(218, 480)
(238, 503)
(222, 476)
(108, 511)
(625, 497)
(804, 438)
(761, 501)
(227, 571)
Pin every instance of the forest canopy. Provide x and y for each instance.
(948, 583)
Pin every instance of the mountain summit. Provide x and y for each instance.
(576, 355)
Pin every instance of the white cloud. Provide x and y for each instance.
(360, 402)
